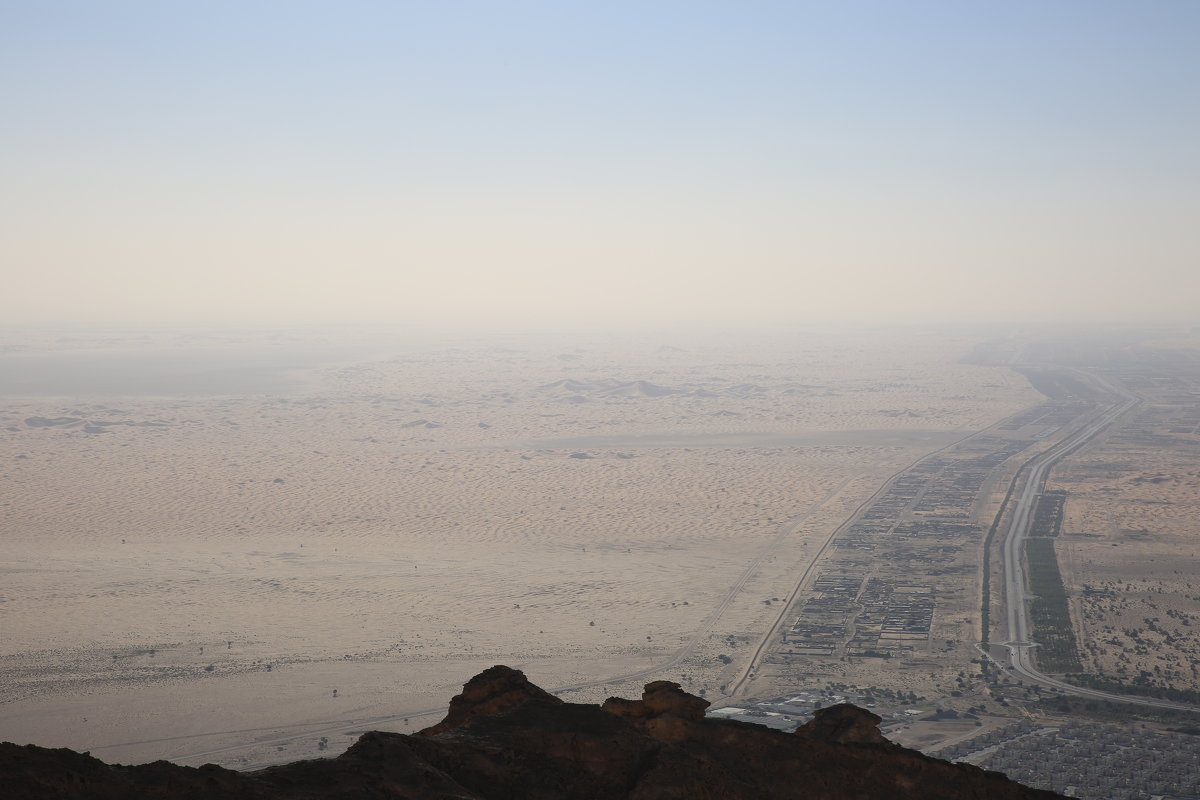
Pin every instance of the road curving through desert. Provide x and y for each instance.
(1016, 599)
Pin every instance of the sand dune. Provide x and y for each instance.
(209, 564)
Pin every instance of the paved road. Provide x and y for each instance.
(1019, 645)
(739, 684)
(1016, 597)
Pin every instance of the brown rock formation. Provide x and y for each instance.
(844, 724)
(506, 738)
(659, 698)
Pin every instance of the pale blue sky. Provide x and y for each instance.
(547, 161)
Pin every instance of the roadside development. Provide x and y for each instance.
(894, 589)
(1024, 636)
(880, 601)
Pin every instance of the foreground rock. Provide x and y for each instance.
(505, 738)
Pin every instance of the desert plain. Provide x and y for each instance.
(246, 548)
(1129, 548)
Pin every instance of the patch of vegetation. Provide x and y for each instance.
(985, 622)
(1108, 711)
(1048, 612)
(1141, 687)
(872, 694)
(1189, 730)
(1048, 514)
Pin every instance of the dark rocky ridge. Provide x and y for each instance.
(505, 738)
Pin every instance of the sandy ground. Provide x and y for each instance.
(1130, 548)
(186, 574)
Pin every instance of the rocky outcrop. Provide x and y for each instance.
(844, 724)
(491, 693)
(661, 698)
(504, 737)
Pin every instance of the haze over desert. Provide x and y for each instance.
(800, 353)
(185, 567)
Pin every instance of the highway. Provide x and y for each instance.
(1019, 644)
(1016, 597)
(769, 637)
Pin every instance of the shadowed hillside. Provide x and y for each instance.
(503, 737)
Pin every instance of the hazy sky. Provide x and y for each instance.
(529, 162)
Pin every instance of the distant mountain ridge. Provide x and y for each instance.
(504, 737)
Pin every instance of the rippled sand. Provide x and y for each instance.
(186, 574)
